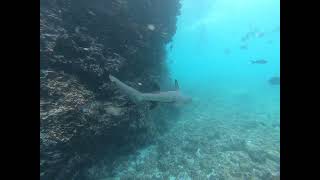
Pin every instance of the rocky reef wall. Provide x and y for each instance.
(82, 114)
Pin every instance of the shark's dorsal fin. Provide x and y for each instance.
(176, 85)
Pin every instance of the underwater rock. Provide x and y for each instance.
(82, 117)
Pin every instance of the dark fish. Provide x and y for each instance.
(247, 36)
(243, 47)
(274, 80)
(171, 46)
(244, 39)
(263, 124)
(227, 51)
(269, 41)
(260, 61)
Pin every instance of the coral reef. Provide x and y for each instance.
(197, 146)
(82, 115)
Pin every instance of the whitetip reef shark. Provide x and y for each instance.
(175, 97)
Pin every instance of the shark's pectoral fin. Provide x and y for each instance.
(153, 104)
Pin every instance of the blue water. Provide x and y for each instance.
(206, 28)
(231, 130)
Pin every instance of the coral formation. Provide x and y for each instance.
(205, 149)
(82, 115)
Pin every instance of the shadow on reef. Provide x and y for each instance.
(82, 115)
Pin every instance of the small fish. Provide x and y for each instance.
(245, 38)
(274, 80)
(227, 51)
(171, 46)
(270, 42)
(259, 34)
(244, 47)
(263, 124)
(260, 61)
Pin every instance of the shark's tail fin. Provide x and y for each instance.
(133, 94)
(176, 85)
